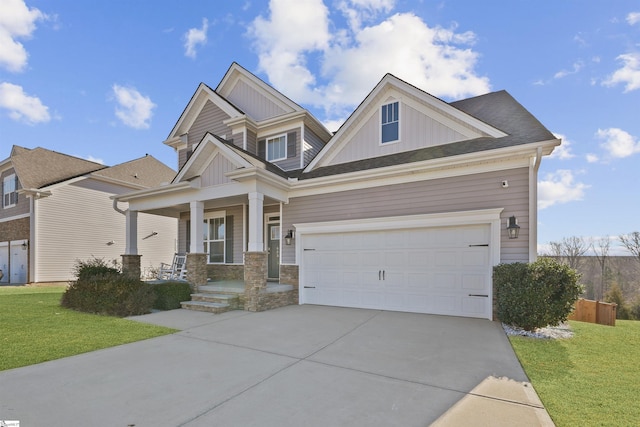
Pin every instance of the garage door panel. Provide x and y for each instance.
(426, 270)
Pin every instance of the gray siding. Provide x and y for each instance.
(481, 191)
(312, 145)
(252, 143)
(253, 103)
(290, 163)
(209, 120)
(214, 174)
(416, 131)
(21, 208)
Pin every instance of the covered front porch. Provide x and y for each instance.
(230, 216)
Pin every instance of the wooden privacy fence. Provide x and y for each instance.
(603, 313)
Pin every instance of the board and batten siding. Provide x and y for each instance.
(78, 221)
(416, 131)
(461, 193)
(214, 174)
(253, 103)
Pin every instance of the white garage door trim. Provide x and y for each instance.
(489, 217)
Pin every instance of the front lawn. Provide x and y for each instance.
(591, 379)
(34, 328)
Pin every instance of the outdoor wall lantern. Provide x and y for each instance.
(24, 245)
(513, 228)
(288, 238)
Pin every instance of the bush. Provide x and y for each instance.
(623, 311)
(101, 289)
(535, 295)
(169, 295)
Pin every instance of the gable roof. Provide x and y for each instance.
(40, 167)
(144, 172)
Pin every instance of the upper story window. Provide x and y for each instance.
(277, 148)
(390, 122)
(10, 191)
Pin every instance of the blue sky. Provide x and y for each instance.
(107, 80)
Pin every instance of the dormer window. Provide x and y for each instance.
(390, 122)
(277, 148)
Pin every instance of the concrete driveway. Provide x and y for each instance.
(294, 366)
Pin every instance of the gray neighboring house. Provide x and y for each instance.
(57, 209)
(405, 207)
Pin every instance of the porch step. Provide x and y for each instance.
(210, 307)
(231, 300)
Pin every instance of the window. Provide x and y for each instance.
(214, 237)
(390, 118)
(277, 148)
(10, 191)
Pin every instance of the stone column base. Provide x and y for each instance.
(131, 265)
(196, 270)
(255, 279)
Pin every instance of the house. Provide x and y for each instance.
(405, 207)
(56, 210)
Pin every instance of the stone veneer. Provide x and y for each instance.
(196, 270)
(17, 229)
(131, 265)
(289, 275)
(225, 271)
(255, 279)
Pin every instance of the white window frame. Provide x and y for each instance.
(382, 122)
(207, 241)
(12, 194)
(272, 140)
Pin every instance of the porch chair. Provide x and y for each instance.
(177, 270)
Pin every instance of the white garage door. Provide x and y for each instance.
(444, 270)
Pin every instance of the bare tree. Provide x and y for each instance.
(601, 250)
(631, 241)
(555, 250)
(572, 248)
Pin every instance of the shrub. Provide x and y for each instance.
(169, 295)
(101, 289)
(535, 295)
(623, 311)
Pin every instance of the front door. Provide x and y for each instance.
(273, 245)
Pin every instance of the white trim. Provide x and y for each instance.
(13, 218)
(214, 215)
(391, 101)
(266, 147)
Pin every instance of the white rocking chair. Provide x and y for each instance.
(177, 270)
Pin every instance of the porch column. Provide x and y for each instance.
(197, 227)
(131, 223)
(131, 259)
(256, 222)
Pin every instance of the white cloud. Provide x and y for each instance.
(134, 109)
(195, 37)
(355, 58)
(618, 143)
(592, 158)
(629, 74)
(16, 21)
(22, 107)
(577, 66)
(559, 187)
(633, 18)
(562, 152)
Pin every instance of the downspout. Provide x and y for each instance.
(533, 206)
(116, 208)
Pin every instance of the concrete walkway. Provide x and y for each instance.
(294, 366)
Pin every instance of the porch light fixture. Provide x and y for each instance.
(513, 228)
(24, 245)
(288, 238)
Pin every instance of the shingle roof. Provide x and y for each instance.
(40, 167)
(498, 109)
(146, 171)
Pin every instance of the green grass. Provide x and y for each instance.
(34, 328)
(592, 379)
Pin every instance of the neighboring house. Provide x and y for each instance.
(56, 209)
(404, 208)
